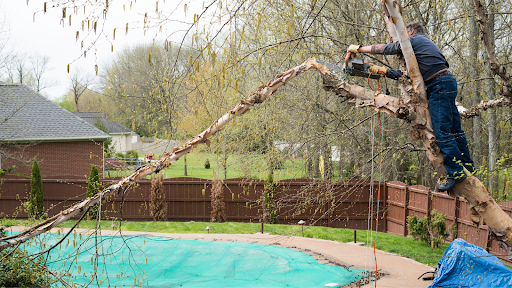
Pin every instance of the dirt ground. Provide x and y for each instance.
(396, 271)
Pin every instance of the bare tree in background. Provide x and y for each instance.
(80, 82)
(17, 70)
(40, 66)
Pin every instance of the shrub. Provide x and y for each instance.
(4, 171)
(132, 154)
(276, 162)
(133, 157)
(218, 213)
(428, 231)
(93, 187)
(19, 270)
(36, 208)
(270, 211)
(207, 164)
(157, 206)
(120, 155)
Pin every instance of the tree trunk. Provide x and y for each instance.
(477, 126)
(491, 114)
(471, 188)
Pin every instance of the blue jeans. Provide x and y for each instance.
(450, 137)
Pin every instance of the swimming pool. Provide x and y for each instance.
(167, 262)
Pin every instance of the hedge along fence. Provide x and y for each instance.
(340, 204)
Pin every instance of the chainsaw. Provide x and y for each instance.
(354, 66)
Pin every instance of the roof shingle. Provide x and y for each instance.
(113, 126)
(28, 116)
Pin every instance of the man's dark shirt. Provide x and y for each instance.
(429, 57)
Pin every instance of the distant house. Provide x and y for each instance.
(32, 126)
(123, 139)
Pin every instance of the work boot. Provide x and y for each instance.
(451, 182)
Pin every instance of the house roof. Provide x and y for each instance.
(112, 126)
(28, 116)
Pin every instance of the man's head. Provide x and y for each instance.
(415, 28)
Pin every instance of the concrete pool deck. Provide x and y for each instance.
(399, 271)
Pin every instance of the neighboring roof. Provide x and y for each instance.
(28, 116)
(112, 126)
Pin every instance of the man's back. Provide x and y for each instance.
(429, 57)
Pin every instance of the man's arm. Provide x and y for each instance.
(388, 49)
(374, 49)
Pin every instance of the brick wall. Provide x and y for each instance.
(55, 158)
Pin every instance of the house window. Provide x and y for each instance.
(134, 139)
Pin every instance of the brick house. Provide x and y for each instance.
(32, 126)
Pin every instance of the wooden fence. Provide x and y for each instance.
(404, 201)
(341, 204)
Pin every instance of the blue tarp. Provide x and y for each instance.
(466, 265)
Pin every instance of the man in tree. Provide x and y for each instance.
(441, 93)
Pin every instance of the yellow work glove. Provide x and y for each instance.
(377, 69)
(353, 48)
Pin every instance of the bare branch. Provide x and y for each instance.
(482, 106)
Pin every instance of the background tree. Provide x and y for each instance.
(36, 208)
(29, 69)
(98, 123)
(40, 68)
(80, 83)
(141, 81)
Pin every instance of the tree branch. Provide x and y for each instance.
(482, 106)
(506, 88)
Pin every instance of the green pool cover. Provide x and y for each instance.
(166, 262)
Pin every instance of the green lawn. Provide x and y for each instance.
(403, 246)
(249, 166)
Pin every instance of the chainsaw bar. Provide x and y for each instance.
(356, 67)
(331, 66)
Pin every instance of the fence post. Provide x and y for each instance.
(385, 204)
(329, 214)
(406, 205)
(456, 217)
(429, 204)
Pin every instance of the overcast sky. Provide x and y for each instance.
(47, 36)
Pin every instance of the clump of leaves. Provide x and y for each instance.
(432, 232)
(19, 270)
(207, 164)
